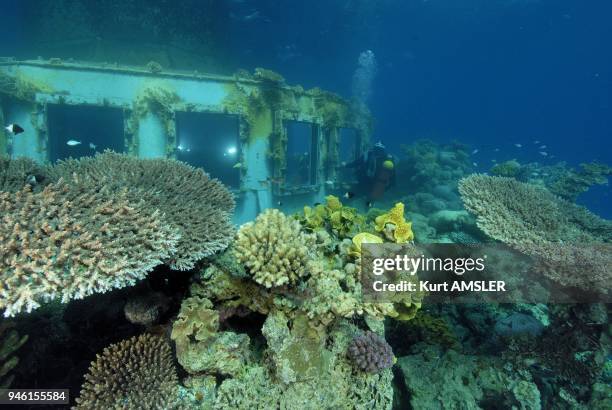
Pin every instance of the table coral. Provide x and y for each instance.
(72, 240)
(194, 204)
(565, 239)
(137, 373)
(273, 249)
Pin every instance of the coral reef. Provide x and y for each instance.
(510, 169)
(575, 182)
(75, 240)
(371, 353)
(10, 342)
(449, 380)
(565, 238)
(560, 179)
(196, 206)
(137, 373)
(309, 369)
(273, 249)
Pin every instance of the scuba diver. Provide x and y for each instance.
(375, 172)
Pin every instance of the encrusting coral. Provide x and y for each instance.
(340, 220)
(566, 239)
(200, 346)
(197, 206)
(72, 240)
(137, 373)
(273, 249)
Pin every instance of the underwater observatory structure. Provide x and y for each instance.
(269, 142)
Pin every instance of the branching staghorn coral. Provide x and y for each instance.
(566, 239)
(196, 205)
(72, 240)
(137, 373)
(273, 249)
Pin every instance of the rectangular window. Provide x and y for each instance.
(348, 151)
(210, 141)
(77, 130)
(302, 153)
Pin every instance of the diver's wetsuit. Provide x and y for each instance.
(372, 177)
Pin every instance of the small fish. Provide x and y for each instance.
(32, 180)
(536, 142)
(475, 164)
(369, 204)
(518, 145)
(544, 153)
(493, 160)
(183, 148)
(496, 150)
(475, 151)
(543, 147)
(73, 143)
(92, 145)
(348, 195)
(279, 203)
(317, 203)
(329, 182)
(14, 129)
(237, 165)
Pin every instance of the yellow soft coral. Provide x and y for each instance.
(361, 238)
(394, 225)
(333, 203)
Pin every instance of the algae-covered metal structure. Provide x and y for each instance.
(283, 141)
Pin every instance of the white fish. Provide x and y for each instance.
(543, 153)
(182, 148)
(475, 151)
(518, 145)
(475, 164)
(543, 147)
(92, 145)
(73, 143)
(231, 151)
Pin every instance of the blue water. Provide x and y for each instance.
(491, 73)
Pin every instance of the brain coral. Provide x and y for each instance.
(72, 240)
(273, 249)
(536, 222)
(196, 205)
(137, 373)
